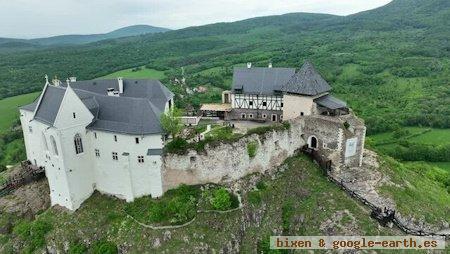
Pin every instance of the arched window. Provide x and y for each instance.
(44, 140)
(78, 144)
(55, 148)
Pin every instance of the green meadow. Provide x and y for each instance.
(9, 112)
(137, 73)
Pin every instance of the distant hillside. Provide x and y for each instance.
(390, 64)
(17, 44)
(83, 39)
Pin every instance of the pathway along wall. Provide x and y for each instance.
(231, 161)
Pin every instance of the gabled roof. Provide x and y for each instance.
(330, 102)
(49, 104)
(307, 81)
(260, 81)
(136, 111)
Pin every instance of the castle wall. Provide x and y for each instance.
(227, 162)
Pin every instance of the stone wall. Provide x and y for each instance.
(231, 161)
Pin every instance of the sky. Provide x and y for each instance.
(42, 18)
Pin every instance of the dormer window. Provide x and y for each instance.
(115, 138)
(137, 140)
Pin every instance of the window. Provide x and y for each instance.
(282, 104)
(250, 116)
(44, 140)
(137, 140)
(30, 129)
(74, 115)
(264, 104)
(250, 103)
(281, 117)
(78, 144)
(264, 116)
(54, 147)
(243, 116)
(97, 153)
(141, 159)
(114, 156)
(95, 135)
(115, 138)
(302, 114)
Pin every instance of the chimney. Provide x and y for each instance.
(68, 82)
(120, 80)
(73, 79)
(270, 65)
(56, 81)
(46, 80)
(249, 65)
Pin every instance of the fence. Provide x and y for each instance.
(383, 216)
(28, 174)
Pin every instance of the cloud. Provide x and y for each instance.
(35, 18)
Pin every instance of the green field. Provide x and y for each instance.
(9, 112)
(416, 134)
(139, 74)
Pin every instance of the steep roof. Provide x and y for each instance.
(261, 81)
(136, 111)
(307, 81)
(49, 104)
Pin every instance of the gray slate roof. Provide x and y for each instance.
(261, 81)
(307, 81)
(136, 111)
(50, 103)
(330, 102)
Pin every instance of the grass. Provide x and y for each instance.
(418, 185)
(9, 112)
(139, 74)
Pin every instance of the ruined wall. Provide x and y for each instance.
(227, 162)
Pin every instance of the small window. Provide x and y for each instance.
(74, 115)
(137, 140)
(264, 116)
(282, 104)
(44, 140)
(281, 117)
(95, 135)
(115, 138)
(97, 153)
(264, 103)
(141, 159)
(302, 114)
(78, 144)
(250, 103)
(250, 116)
(243, 116)
(114, 156)
(30, 129)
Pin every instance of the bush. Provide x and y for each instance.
(221, 199)
(252, 147)
(261, 185)
(177, 145)
(104, 247)
(254, 197)
(77, 248)
(400, 133)
(33, 233)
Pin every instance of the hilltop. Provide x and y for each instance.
(77, 39)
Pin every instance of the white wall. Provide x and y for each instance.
(126, 178)
(294, 105)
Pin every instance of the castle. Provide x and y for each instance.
(106, 135)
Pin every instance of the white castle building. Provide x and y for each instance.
(100, 135)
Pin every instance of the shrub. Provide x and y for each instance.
(401, 133)
(104, 247)
(252, 147)
(182, 210)
(254, 197)
(176, 145)
(261, 185)
(33, 233)
(2, 168)
(221, 199)
(77, 248)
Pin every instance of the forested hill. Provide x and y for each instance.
(391, 64)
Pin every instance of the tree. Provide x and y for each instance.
(171, 122)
